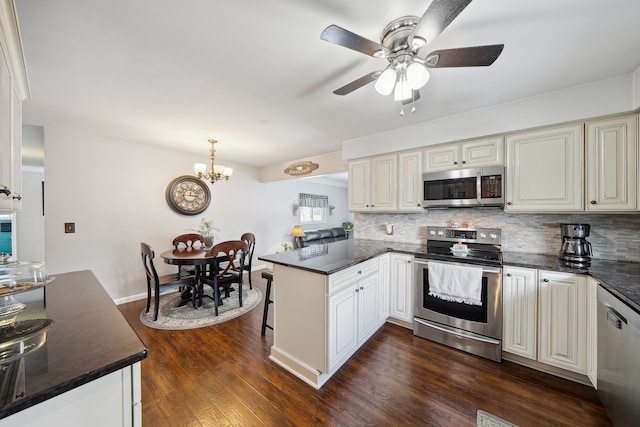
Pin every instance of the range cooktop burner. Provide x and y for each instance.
(474, 246)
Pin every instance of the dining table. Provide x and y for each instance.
(195, 256)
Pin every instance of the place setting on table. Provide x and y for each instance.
(210, 283)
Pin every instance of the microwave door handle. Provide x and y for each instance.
(479, 187)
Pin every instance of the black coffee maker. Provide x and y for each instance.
(575, 251)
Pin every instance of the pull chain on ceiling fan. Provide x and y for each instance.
(400, 43)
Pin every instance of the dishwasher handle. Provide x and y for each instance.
(615, 318)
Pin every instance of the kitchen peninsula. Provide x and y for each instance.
(331, 298)
(88, 370)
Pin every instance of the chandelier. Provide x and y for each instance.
(217, 172)
(404, 76)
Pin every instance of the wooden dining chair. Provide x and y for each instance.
(249, 239)
(226, 268)
(156, 282)
(187, 241)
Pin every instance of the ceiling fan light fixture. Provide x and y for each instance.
(417, 75)
(386, 81)
(403, 90)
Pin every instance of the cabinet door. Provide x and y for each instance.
(367, 307)
(343, 325)
(384, 182)
(359, 179)
(16, 152)
(482, 152)
(410, 181)
(544, 170)
(6, 161)
(441, 157)
(401, 289)
(592, 330)
(519, 305)
(611, 164)
(562, 320)
(383, 288)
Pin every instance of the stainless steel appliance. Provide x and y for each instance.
(618, 356)
(575, 250)
(472, 187)
(475, 329)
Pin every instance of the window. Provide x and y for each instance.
(312, 208)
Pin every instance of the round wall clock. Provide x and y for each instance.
(188, 195)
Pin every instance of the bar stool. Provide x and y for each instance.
(267, 300)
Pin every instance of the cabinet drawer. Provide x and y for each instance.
(351, 275)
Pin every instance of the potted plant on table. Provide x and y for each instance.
(207, 231)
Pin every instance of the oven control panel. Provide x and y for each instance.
(468, 235)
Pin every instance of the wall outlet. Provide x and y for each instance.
(69, 227)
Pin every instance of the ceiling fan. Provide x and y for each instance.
(400, 43)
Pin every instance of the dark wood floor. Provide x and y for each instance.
(221, 376)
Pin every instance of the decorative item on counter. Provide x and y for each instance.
(348, 226)
(460, 249)
(454, 223)
(287, 247)
(388, 228)
(207, 231)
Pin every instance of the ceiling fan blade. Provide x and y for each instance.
(475, 56)
(357, 84)
(437, 17)
(416, 96)
(341, 37)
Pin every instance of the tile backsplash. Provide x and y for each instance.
(613, 237)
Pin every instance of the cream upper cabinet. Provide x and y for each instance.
(611, 181)
(519, 305)
(563, 320)
(14, 88)
(544, 170)
(410, 181)
(373, 184)
(477, 152)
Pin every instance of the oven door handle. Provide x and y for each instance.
(420, 261)
(456, 332)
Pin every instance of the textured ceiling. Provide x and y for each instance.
(256, 76)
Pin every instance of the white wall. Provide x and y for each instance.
(114, 191)
(592, 100)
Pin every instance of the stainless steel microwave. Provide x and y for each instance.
(463, 188)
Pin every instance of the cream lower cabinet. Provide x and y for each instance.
(544, 170)
(520, 303)
(401, 287)
(611, 174)
(320, 320)
(353, 318)
(563, 320)
(592, 331)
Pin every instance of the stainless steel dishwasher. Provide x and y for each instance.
(618, 359)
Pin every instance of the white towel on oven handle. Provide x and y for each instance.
(452, 282)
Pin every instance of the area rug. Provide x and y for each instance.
(485, 419)
(172, 317)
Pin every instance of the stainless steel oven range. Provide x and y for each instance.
(459, 299)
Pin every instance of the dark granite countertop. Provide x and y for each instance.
(89, 339)
(622, 279)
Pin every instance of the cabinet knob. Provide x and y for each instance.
(4, 189)
(593, 202)
(464, 162)
(409, 261)
(508, 274)
(359, 271)
(357, 290)
(17, 196)
(545, 280)
(361, 288)
(455, 163)
(509, 203)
